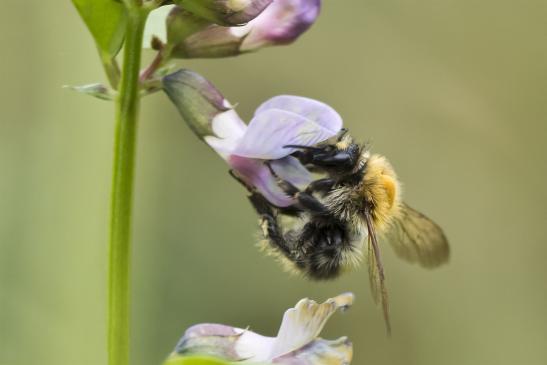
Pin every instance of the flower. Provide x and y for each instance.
(281, 22)
(283, 120)
(296, 343)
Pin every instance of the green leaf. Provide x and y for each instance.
(106, 21)
(194, 360)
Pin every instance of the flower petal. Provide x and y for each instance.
(155, 25)
(297, 337)
(303, 323)
(255, 173)
(311, 109)
(223, 147)
(319, 352)
(290, 169)
(271, 130)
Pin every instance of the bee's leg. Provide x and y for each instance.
(270, 227)
(306, 201)
(237, 178)
(320, 185)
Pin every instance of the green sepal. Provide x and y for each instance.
(180, 24)
(96, 90)
(203, 9)
(196, 99)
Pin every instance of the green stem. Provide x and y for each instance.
(111, 69)
(127, 108)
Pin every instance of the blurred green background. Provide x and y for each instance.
(453, 92)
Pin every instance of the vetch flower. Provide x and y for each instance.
(296, 343)
(281, 121)
(281, 22)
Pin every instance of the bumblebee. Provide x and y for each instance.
(341, 215)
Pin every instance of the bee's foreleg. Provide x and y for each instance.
(320, 185)
(305, 200)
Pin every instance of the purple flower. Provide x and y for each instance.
(296, 343)
(282, 22)
(280, 121)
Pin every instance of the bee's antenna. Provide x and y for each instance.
(303, 147)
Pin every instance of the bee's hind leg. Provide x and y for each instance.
(269, 224)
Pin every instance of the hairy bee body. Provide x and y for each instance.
(336, 219)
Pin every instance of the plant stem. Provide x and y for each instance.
(111, 69)
(127, 108)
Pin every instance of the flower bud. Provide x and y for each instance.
(280, 23)
(225, 12)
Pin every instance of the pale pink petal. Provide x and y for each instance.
(270, 131)
(291, 170)
(281, 23)
(255, 173)
(311, 109)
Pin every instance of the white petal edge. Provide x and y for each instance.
(155, 25)
(228, 125)
(303, 323)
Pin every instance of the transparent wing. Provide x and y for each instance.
(376, 272)
(416, 238)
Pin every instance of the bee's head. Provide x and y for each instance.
(340, 156)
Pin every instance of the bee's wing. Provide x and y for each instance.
(416, 238)
(376, 271)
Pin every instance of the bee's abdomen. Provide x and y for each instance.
(326, 248)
